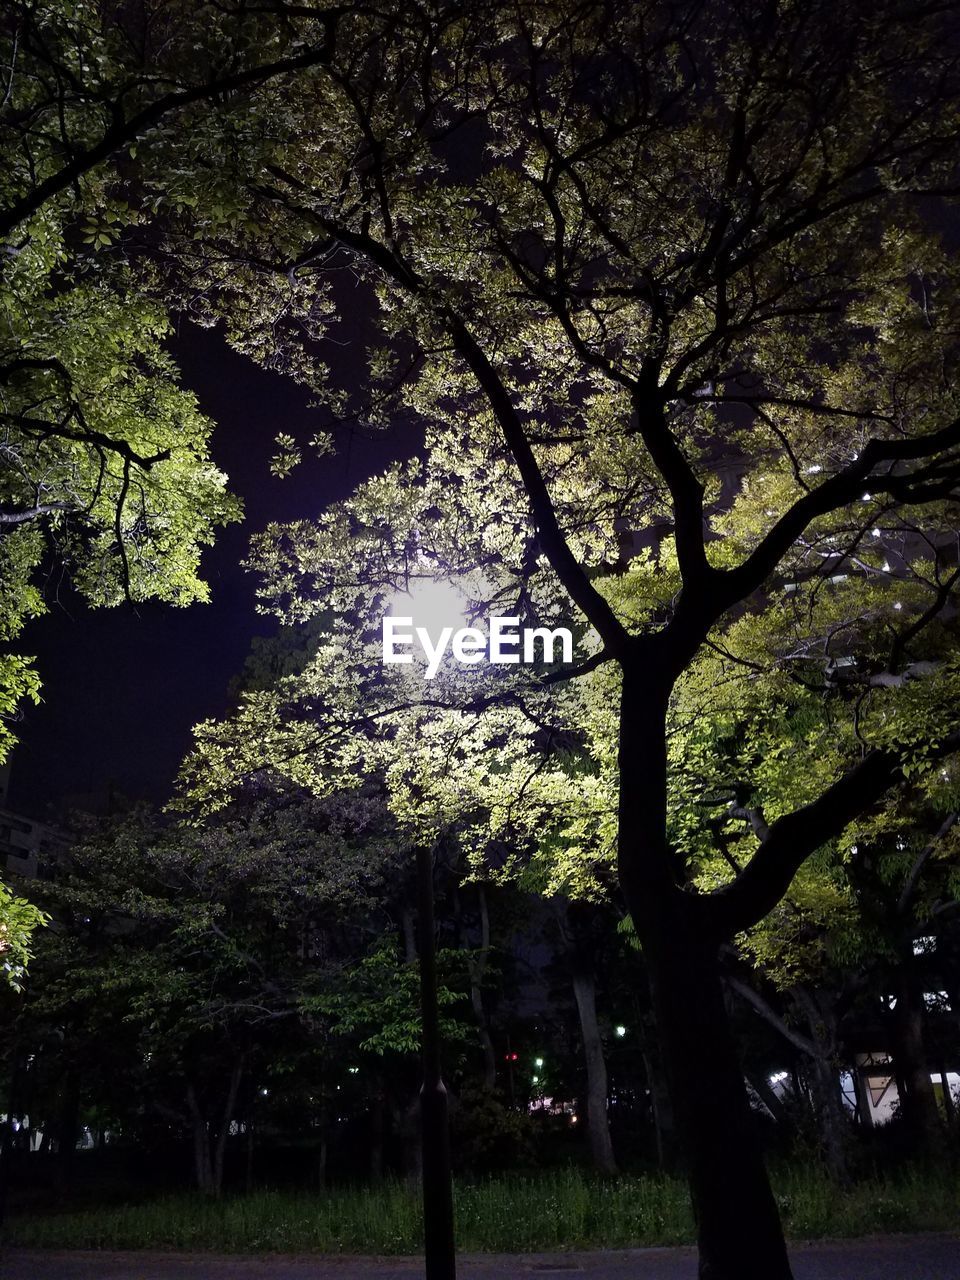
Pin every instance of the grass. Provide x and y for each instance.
(565, 1210)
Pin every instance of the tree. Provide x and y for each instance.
(18, 919)
(185, 957)
(655, 268)
(105, 461)
(761, 720)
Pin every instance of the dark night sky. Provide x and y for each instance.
(122, 687)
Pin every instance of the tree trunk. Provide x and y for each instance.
(406, 1114)
(769, 1097)
(918, 1102)
(476, 961)
(830, 1117)
(598, 1125)
(376, 1133)
(738, 1226)
(949, 1106)
(13, 1108)
(226, 1119)
(406, 1127)
(478, 966)
(68, 1130)
(824, 1077)
(664, 1126)
(202, 1162)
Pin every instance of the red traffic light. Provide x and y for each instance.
(510, 1057)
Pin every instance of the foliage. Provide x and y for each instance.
(106, 464)
(377, 999)
(182, 953)
(661, 287)
(488, 1135)
(705, 373)
(104, 458)
(516, 1215)
(18, 919)
(680, 341)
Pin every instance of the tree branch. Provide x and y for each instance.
(794, 837)
(564, 563)
(852, 482)
(125, 130)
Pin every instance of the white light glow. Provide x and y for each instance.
(433, 603)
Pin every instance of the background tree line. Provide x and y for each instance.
(664, 287)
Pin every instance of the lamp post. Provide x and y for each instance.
(441, 1263)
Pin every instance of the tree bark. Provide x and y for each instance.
(824, 1077)
(476, 960)
(768, 1096)
(229, 1106)
(202, 1165)
(918, 1102)
(209, 1148)
(598, 1125)
(478, 967)
(664, 1125)
(949, 1106)
(376, 1132)
(738, 1227)
(822, 1074)
(68, 1130)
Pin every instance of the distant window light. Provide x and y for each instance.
(938, 1000)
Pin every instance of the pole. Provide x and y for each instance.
(438, 1241)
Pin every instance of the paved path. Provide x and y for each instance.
(929, 1257)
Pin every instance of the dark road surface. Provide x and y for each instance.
(931, 1257)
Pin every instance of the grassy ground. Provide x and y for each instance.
(559, 1210)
